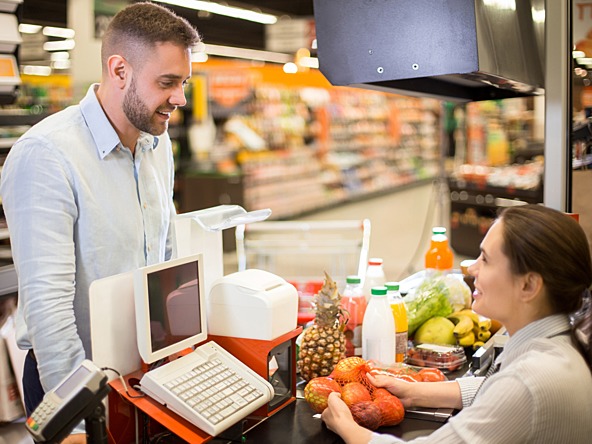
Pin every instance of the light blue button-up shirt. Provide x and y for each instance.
(80, 207)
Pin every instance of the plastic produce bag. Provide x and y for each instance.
(459, 293)
(431, 298)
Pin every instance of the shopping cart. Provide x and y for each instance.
(301, 251)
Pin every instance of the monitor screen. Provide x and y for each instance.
(170, 307)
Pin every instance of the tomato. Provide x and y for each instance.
(431, 375)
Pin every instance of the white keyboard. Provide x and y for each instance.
(208, 387)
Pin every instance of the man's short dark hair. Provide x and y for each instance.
(146, 24)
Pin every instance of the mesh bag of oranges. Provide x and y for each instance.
(371, 407)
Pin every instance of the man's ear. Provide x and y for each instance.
(119, 70)
(532, 286)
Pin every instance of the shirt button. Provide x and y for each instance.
(118, 149)
(145, 206)
(149, 248)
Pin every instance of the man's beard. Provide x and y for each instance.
(138, 113)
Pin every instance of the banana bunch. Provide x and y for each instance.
(470, 329)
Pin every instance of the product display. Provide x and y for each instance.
(370, 406)
(323, 343)
(445, 358)
(400, 316)
(436, 330)
(378, 329)
(439, 256)
(374, 276)
(354, 302)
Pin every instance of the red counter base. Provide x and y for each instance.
(126, 412)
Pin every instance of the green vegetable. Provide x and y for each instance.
(430, 300)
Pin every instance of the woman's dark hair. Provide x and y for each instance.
(554, 245)
(146, 24)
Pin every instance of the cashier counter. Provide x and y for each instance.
(252, 314)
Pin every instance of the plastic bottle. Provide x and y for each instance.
(374, 276)
(439, 256)
(354, 302)
(400, 316)
(378, 329)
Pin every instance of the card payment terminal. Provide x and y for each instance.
(73, 400)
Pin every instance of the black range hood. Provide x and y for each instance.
(458, 50)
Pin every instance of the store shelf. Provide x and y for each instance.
(582, 163)
(8, 281)
(16, 117)
(7, 142)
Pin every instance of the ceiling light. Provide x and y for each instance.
(584, 60)
(25, 28)
(229, 11)
(61, 64)
(250, 54)
(60, 45)
(199, 57)
(63, 33)
(60, 55)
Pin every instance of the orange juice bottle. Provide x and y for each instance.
(400, 316)
(439, 256)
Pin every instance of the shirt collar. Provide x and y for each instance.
(547, 327)
(103, 133)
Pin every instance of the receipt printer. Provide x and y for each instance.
(252, 304)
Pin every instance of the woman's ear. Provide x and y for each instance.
(532, 286)
(118, 70)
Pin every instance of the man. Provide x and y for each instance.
(87, 192)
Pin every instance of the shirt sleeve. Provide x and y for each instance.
(481, 421)
(40, 206)
(468, 389)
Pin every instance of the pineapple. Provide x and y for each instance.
(323, 343)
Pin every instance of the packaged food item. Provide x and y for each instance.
(445, 358)
(374, 277)
(378, 329)
(439, 256)
(400, 317)
(354, 302)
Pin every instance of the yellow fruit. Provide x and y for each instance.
(484, 323)
(436, 330)
(323, 344)
(470, 313)
(478, 344)
(464, 324)
(484, 335)
(467, 340)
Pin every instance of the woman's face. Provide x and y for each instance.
(496, 288)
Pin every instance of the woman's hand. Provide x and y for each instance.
(443, 394)
(340, 420)
(401, 389)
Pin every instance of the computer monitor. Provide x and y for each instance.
(170, 307)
